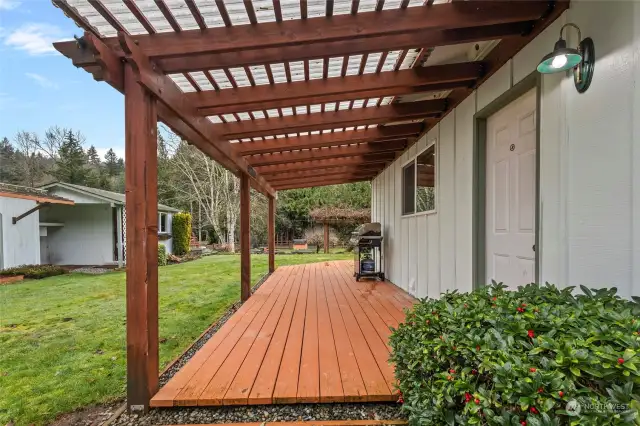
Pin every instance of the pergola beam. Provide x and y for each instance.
(176, 111)
(319, 182)
(251, 98)
(325, 153)
(360, 160)
(293, 175)
(331, 119)
(281, 180)
(379, 133)
(364, 32)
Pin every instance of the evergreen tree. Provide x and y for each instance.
(92, 155)
(71, 164)
(112, 163)
(7, 162)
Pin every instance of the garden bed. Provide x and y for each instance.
(10, 279)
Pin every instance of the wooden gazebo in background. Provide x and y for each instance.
(337, 215)
(284, 95)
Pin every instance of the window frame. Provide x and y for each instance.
(166, 223)
(436, 184)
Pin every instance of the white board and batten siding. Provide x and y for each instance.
(589, 176)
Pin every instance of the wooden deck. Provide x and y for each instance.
(310, 333)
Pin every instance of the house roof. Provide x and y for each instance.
(108, 196)
(28, 193)
(304, 85)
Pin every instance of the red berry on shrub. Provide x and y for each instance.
(523, 423)
(495, 298)
(477, 401)
(620, 360)
(428, 322)
(533, 370)
(474, 371)
(452, 371)
(530, 333)
(560, 394)
(449, 378)
(534, 410)
(524, 305)
(467, 396)
(478, 348)
(540, 390)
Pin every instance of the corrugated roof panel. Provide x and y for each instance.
(335, 67)
(215, 119)
(221, 79)
(258, 114)
(372, 62)
(244, 116)
(273, 113)
(259, 74)
(237, 12)
(344, 105)
(229, 117)
(390, 60)
(353, 65)
(202, 80)
(315, 108)
(330, 106)
(279, 73)
(315, 69)
(359, 103)
(371, 102)
(182, 82)
(240, 76)
(290, 9)
(297, 70)
(301, 110)
(287, 111)
(409, 59)
(94, 18)
(182, 14)
(264, 10)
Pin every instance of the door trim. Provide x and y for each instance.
(479, 255)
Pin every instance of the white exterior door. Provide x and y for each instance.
(511, 193)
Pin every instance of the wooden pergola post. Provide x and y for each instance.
(141, 189)
(245, 238)
(326, 237)
(271, 230)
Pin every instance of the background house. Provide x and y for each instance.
(91, 232)
(574, 188)
(20, 227)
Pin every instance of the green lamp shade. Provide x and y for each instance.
(561, 59)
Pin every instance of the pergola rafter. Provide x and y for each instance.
(285, 97)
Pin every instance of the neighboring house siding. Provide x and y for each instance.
(20, 242)
(589, 170)
(86, 237)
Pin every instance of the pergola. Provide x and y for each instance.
(284, 95)
(328, 215)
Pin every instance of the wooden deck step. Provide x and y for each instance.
(314, 423)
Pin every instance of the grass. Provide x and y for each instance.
(62, 339)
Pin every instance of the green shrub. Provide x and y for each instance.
(181, 230)
(495, 357)
(162, 255)
(33, 271)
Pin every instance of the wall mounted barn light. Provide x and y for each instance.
(581, 59)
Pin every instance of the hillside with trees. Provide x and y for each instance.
(187, 179)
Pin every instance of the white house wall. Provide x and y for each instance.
(589, 170)
(20, 242)
(86, 237)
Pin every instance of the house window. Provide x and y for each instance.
(162, 223)
(426, 180)
(419, 183)
(409, 188)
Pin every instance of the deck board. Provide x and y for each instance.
(310, 333)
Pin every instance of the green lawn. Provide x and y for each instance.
(62, 339)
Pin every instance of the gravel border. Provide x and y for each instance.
(264, 413)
